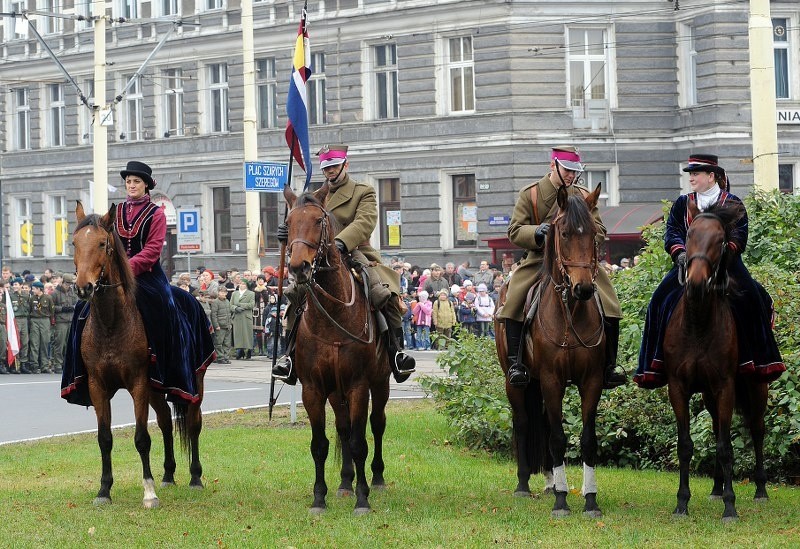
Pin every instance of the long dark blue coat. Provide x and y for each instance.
(752, 306)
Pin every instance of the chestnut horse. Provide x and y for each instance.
(340, 357)
(564, 343)
(116, 354)
(701, 356)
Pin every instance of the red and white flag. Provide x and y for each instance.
(12, 331)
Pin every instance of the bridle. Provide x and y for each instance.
(715, 266)
(562, 263)
(99, 284)
(321, 263)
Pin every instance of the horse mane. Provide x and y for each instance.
(308, 199)
(119, 258)
(728, 214)
(576, 214)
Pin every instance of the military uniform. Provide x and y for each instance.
(64, 300)
(41, 320)
(222, 321)
(21, 302)
(3, 335)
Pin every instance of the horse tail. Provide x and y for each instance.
(539, 440)
(179, 414)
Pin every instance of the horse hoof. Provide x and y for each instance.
(361, 511)
(726, 520)
(761, 499)
(317, 511)
(560, 513)
(165, 483)
(714, 497)
(680, 514)
(102, 501)
(150, 503)
(595, 513)
(522, 494)
(344, 493)
(379, 487)
(196, 485)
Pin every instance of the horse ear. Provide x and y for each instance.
(562, 196)
(289, 195)
(694, 211)
(322, 193)
(79, 213)
(107, 221)
(593, 197)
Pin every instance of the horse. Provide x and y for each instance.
(115, 351)
(342, 358)
(701, 356)
(564, 343)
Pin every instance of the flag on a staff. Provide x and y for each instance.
(297, 102)
(12, 332)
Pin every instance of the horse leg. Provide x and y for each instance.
(377, 422)
(589, 400)
(716, 489)
(102, 409)
(553, 394)
(359, 405)
(725, 404)
(194, 424)
(758, 406)
(314, 403)
(164, 419)
(520, 422)
(142, 441)
(348, 473)
(680, 405)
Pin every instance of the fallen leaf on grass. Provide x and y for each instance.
(91, 530)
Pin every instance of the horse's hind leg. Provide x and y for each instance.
(194, 424)
(758, 406)
(105, 440)
(164, 419)
(377, 421)
(142, 441)
(680, 405)
(348, 472)
(716, 489)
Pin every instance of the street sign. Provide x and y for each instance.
(499, 220)
(188, 230)
(265, 177)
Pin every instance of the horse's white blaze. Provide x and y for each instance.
(560, 478)
(589, 481)
(548, 480)
(149, 489)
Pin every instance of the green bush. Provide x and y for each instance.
(636, 428)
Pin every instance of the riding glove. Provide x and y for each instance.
(283, 233)
(680, 260)
(340, 245)
(541, 232)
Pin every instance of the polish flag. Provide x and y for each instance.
(12, 332)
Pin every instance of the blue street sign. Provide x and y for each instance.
(499, 220)
(189, 238)
(265, 177)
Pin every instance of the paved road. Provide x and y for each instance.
(31, 407)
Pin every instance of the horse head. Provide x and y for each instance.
(311, 232)
(571, 249)
(707, 245)
(95, 245)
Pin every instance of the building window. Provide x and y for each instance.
(22, 112)
(218, 88)
(51, 24)
(57, 111)
(609, 193)
(465, 210)
(786, 178)
(461, 74)
(58, 228)
(22, 228)
(215, 4)
(132, 129)
(269, 220)
(588, 76)
(84, 9)
(780, 45)
(129, 9)
(387, 97)
(389, 207)
(86, 114)
(267, 93)
(16, 27)
(687, 51)
(173, 102)
(221, 199)
(169, 7)
(318, 114)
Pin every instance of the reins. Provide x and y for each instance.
(715, 267)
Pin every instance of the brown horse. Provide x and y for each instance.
(116, 354)
(564, 343)
(701, 356)
(340, 356)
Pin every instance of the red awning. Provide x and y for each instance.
(625, 221)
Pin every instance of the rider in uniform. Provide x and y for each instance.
(355, 207)
(528, 230)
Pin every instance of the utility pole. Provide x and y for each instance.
(251, 198)
(100, 139)
(762, 98)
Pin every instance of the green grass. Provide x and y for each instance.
(259, 479)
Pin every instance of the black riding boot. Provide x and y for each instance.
(518, 375)
(403, 365)
(284, 367)
(613, 376)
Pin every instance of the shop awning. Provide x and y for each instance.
(624, 222)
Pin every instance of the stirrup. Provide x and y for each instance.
(283, 368)
(613, 378)
(518, 376)
(403, 366)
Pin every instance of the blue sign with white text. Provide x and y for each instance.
(266, 177)
(499, 220)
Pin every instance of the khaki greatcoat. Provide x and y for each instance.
(521, 232)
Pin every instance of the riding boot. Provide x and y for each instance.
(403, 365)
(613, 376)
(518, 374)
(284, 367)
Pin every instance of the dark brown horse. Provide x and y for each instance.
(564, 343)
(116, 354)
(340, 356)
(701, 356)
